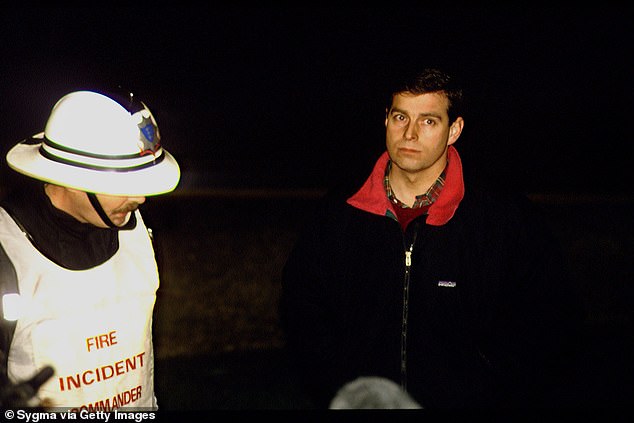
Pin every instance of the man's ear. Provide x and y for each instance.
(455, 130)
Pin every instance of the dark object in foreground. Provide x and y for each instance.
(22, 395)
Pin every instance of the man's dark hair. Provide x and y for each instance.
(432, 80)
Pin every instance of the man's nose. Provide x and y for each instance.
(138, 200)
(411, 132)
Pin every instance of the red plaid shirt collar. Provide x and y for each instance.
(422, 200)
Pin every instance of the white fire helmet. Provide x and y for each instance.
(93, 143)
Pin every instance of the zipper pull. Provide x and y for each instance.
(408, 258)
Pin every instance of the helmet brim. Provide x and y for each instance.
(161, 178)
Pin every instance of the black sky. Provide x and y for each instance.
(284, 97)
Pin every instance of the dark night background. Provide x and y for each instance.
(284, 96)
(284, 101)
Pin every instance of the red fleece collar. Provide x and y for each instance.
(373, 199)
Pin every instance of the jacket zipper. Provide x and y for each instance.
(406, 281)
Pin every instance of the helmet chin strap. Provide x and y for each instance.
(97, 206)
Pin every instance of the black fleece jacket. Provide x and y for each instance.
(483, 317)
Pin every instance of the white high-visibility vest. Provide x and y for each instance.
(94, 326)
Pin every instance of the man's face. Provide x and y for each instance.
(418, 132)
(117, 208)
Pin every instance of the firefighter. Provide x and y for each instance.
(78, 268)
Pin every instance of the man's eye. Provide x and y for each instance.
(399, 120)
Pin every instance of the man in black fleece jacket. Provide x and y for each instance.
(456, 293)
